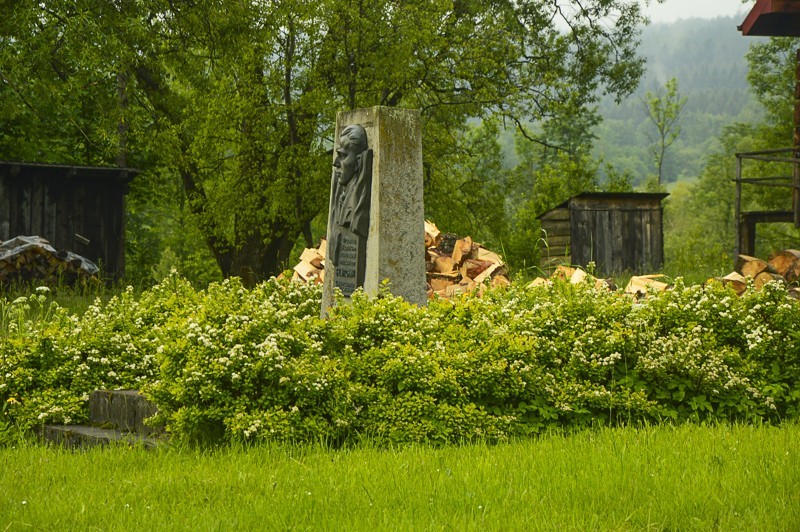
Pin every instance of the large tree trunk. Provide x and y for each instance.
(255, 261)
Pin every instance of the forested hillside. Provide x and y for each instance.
(707, 59)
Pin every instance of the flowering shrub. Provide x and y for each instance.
(50, 360)
(237, 364)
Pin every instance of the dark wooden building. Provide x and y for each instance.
(77, 208)
(620, 232)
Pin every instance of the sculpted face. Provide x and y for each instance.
(346, 161)
(352, 144)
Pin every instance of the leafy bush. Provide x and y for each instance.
(229, 363)
(50, 360)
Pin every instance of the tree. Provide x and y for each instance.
(236, 100)
(700, 220)
(772, 71)
(663, 108)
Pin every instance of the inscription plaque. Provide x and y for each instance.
(349, 269)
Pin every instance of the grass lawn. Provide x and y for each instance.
(689, 477)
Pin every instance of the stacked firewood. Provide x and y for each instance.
(783, 266)
(453, 265)
(574, 276)
(311, 268)
(456, 265)
(638, 286)
(32, 258)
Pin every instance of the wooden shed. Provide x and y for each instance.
(620, 232)
(77, 208)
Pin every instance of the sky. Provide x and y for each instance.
(672, 10)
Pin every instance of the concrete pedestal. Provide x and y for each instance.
(395, 247)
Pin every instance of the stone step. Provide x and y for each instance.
(125, 410)
(81, 436)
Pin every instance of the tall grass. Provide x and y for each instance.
(26, 307)
(689, 477)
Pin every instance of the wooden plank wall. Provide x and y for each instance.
(557, 239)
(59, 207)
(618, 234)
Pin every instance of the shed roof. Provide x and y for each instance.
(773, 18)
(609, 196)
(69, 171)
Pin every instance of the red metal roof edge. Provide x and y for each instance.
(761, 7)
(773, 18)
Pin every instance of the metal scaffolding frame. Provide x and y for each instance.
(746, 221)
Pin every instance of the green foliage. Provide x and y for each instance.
(773, 66)
(228, 107)
(708, 59)
(664, 108)
(699, 218)
(228, 363)
(467, 188)
(52, 359)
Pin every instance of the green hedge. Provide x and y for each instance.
(229, 363)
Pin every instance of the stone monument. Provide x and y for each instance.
(376, 226)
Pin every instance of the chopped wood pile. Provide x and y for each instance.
(453, 265)
(311, 268)
(32, 258)
(638, 286)
(574, 276)
(456, 265)
(783, 266)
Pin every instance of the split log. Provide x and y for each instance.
(639, 285)
(539, 281)
(462, 250)
(432, 235)
(458, 289)
(444, 264)
(574, 276)
(487, 273)
(736, 281)
(793, 275)
(764, 277)
(500, 280)
(784, 261)
(308, 273)
(751, 266)
(32, 258)
(440, 281)
(563, 272)
(472, 268)
(607, 284)
(486, 255)
(578, 276)
(313, 258)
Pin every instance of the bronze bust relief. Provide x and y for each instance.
(351, 194)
